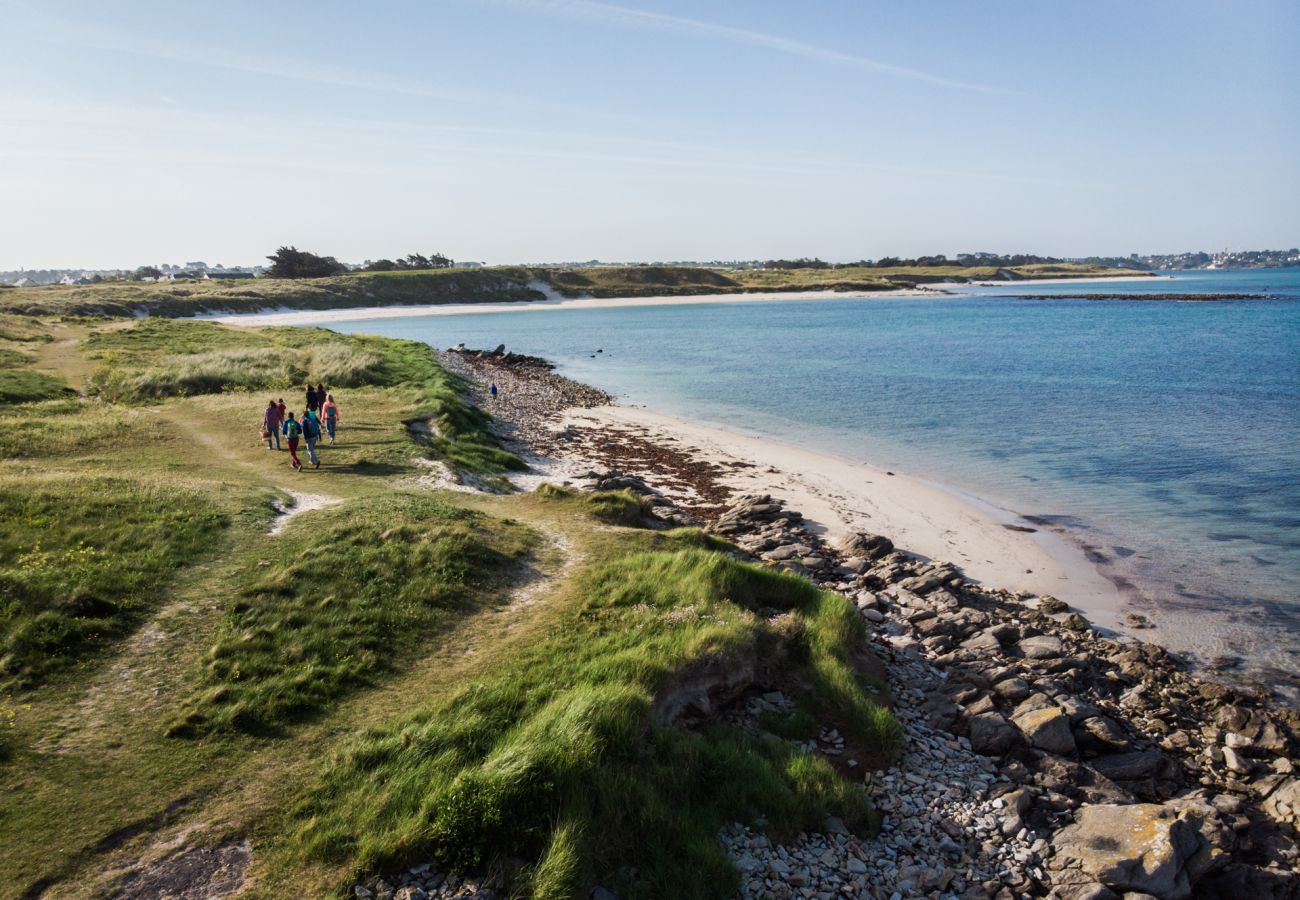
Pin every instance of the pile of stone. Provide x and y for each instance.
(1077, 729)
(423, 882)
(530, 397)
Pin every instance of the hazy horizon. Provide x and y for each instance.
(518, 130)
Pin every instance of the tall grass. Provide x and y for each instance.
(90, 559)
(160, 358)
(340, 601)
(21, 384)
(557, 757)
(217, 371)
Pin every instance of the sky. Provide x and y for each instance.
(557, 130)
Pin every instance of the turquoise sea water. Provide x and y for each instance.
(1163, 435)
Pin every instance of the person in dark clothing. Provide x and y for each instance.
(311, 434)
(312, 401)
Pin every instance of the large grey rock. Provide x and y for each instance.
(1100, 733)
(1283, 803)
(1047, 728)
(1130, 766)
(1043, 646)
(1141, 847)
(991, 734)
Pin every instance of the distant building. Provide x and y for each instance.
(226, 276)
(468, 264)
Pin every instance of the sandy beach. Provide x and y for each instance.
(553, 301)
(840, 496)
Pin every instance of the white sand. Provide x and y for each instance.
(553, 302)
(839, 495)
(300, 503)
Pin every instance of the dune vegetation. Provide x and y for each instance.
(396, 673)
(494, 284)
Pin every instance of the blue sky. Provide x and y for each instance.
(540, 130)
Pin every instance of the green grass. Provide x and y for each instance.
(335, 604)
(351, 692)
(23, 329)
(556, 758)
(23, 385)
(169, 358)
(93, 557)
(611, 507)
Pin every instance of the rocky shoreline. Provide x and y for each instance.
(1042, 759)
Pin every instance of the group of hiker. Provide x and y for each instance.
(320, 418)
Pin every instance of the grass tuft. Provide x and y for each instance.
(558, 758)
(92, 558)
(337, 604)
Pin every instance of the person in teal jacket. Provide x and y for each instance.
(311, 432)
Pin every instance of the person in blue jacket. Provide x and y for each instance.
(311, 432)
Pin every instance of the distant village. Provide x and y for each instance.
(201, 271)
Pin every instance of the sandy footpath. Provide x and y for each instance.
(841, 495)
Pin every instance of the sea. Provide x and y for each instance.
(1162, 436)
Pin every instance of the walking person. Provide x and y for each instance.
(320, 395)
(331, 411)
(292, 430)
(272, 418)
(311, 434)
(279, 404)
(312, 400)
(493, 390)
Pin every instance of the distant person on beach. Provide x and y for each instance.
(272, 417)
(292, 430)
(493, 390)
(331, 411)
(312, 400)
(311, 434)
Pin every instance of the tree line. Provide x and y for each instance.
(290, 262)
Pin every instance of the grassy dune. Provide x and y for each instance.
(483, 286)
(408, 674)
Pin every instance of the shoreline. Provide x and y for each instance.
(553, 301)
(928, 519)
(1030, 735)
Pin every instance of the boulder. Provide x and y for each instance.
(991, 734)
(1043, 646)
(1047, 728)
(870, 546)
(1100, 733)
(1148, 848)
(1283, 803)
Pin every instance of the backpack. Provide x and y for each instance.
(310, 427)
(291, 428)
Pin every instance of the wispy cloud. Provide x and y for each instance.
(626, 16)
(44, 25)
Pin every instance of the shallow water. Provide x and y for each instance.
(1164, 435)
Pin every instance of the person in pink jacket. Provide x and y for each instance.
(330, 413)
